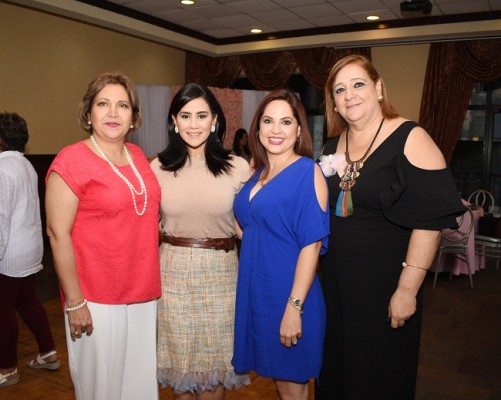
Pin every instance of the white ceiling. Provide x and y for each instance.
(221, 27)
(234, 18)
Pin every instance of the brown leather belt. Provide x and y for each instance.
(225, 244)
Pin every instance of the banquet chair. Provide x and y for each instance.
(488, 246)
(482, 198)
(455, 241)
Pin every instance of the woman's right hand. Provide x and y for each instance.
(80, 322)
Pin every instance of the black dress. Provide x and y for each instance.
(364, 358)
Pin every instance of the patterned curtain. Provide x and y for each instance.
(267, 71)
(452, 71)
(315, 64)
(212, 71)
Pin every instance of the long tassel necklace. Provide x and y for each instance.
(131, 187)
(344, 205)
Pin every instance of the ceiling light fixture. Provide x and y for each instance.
(187, 2)
(256, 30)
(373, 17)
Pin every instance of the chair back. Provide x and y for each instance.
(452, 239)
(456, 241)
(482, 198)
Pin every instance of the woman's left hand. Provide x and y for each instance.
(290, 327)
(402, 306)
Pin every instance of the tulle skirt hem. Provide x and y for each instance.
(198, 382)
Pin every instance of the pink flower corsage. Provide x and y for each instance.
(331, 163)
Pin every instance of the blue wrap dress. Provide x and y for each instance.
(278, 221)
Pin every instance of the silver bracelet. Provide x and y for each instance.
(82, 304)
(404, 264)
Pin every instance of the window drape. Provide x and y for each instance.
(212, 71)
(267, 71)
(452, 71)
(315, 64)
(152, 135)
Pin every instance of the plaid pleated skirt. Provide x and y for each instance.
(195, 319)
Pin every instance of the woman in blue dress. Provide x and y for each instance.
(282, 213)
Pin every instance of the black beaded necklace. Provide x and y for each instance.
(344, 205)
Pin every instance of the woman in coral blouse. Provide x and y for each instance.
(102, 204)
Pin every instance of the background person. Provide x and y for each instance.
(241, 144)
(282, 210)
(102, 204)
(21, 251)
(199, 180)
(389, 201)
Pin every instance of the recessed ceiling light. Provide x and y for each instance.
(373, 17)
(256, 30)
(187, 2)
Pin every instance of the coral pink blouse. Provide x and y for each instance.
(116, 250)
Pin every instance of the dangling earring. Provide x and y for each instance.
(380, 98)
(335, 109)
(213, 128)
(176, 129)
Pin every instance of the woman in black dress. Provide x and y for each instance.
(390, 195)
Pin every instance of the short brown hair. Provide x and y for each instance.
(96, 85)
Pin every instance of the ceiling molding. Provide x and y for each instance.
(385, 36)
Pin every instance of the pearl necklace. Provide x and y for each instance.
(131, 187)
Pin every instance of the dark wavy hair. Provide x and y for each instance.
(175, 156)
(13, 132)
(304, 144)
(96, 85)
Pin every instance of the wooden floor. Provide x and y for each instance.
(460, 353)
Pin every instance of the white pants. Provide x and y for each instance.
(118, 361)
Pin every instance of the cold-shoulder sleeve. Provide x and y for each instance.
(422, 199)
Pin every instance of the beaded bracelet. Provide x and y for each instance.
(404, 264)
(82, 304)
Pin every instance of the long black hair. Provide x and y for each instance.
(175, 156)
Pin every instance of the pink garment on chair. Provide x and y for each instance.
(457, 261)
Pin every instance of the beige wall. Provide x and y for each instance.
(47, 61)
(403, 70)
